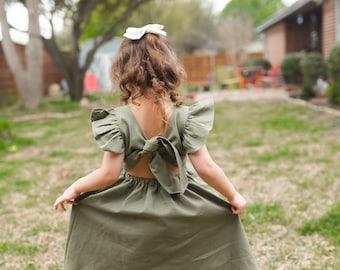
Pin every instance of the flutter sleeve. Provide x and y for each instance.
(198, 125)
(106, 130)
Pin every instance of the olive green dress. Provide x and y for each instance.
(172, 222)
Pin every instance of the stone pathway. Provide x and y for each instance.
(239, 95)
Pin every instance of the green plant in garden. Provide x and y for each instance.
(5, 133)
(333, 92)
(333, 63)
(312, 67)
(256, 62)
(8, 141)
(291, 69)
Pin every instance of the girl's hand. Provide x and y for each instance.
(238, 204)
(68, 197)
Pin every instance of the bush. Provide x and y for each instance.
(333, 63)
(333, 69)
(291, 70)
(312, 67)
(256, 62)
(333, 92)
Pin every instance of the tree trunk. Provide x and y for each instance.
(77, 83)
(34, 56)
(28, 78)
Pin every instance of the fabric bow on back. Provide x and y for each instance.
(159, 149)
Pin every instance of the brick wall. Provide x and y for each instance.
(328, 26)
(275, 44)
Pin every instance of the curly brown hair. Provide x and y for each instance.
(145, 65)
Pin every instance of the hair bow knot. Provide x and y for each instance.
(135, 33)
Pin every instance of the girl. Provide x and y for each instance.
(147, 207)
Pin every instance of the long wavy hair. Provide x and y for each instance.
(148, 66)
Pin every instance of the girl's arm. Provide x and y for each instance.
(211, 173)
(106, 175)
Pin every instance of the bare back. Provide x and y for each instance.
(151, 123)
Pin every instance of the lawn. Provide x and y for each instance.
(284, 158)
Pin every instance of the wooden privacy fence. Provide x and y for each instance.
(202, 69)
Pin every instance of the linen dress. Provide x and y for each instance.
(172, 222)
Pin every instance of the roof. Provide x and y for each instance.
(300, 6)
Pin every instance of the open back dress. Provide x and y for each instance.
(172, 222)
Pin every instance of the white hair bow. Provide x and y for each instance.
(135, 33)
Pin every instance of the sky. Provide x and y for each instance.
(218, 5)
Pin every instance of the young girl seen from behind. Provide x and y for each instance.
(146, 206)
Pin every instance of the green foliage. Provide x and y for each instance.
(328, 226)
(5, 133)
(256, 62)
(333, 92)
(257, 10)
(8, 141)
(186, 33)
(291, 69)
(312, 67)
(102, 18)
(333, 64)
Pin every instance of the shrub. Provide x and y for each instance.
(291, 70)
(256, 62)
(333, 63)
(312, 67)
(333, 69)
(333, 92)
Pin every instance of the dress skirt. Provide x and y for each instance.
(136, 225)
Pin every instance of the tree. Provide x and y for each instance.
(99, 19)
(257, 10)
(234, 33)
(190, 25)
(27, 74)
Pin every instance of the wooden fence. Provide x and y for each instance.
(201, 69)
(51, 72)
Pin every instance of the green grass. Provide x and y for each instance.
(283, 158)
(265, 213)
(327, 226)
(253, 142)
(17, 248)
(275, 154)
(285, 123)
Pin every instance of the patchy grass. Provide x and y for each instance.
(327, 226)
(17, 248)
(284, 159)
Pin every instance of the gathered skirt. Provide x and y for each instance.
(136, 225)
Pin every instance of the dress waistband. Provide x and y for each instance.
(133, 177)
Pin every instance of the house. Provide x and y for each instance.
(305, 26)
